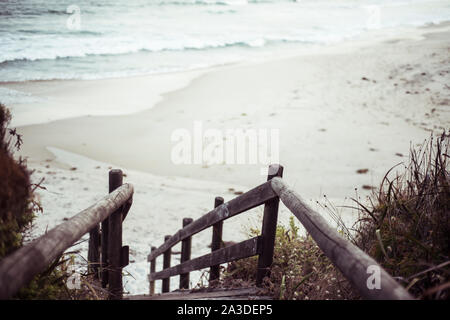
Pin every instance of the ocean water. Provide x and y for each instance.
(87, 39)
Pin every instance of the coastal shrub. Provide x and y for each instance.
(406, 228)
(300, 270)
(52, 283)
(16, 200)
(17, 211)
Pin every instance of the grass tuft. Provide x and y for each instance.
(407, 227)
(300, 271)
(404, 226)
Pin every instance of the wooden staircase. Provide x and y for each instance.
(349, 259)
(103, 221)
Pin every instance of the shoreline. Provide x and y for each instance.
(325, 90)
(169, 82)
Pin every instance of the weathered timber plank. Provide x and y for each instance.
(152, 270)
(244, 202)
(186, 246)
(104, 255)
(208, 294)
(17, 269)
(216, 242)
(238, 251)
(166, 265)
(348, 258)
(94, 251)
(115, 283)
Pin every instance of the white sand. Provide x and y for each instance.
(331, 122)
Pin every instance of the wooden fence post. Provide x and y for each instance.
(269, 228)
(94, 251)
(152, 270)
(114, 246)
(166, 264)
(216, 243)
(185, 255)
(104, 247)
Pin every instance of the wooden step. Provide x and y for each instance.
(251, 293)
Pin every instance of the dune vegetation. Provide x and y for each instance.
(404, 225)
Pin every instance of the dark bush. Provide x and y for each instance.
(17, 211)
(16, 201)
(407, 226)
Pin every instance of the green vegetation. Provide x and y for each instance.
(405, 228)
(299, 271)
(49, 285)
(17, 211)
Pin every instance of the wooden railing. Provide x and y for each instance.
(349, 259)
(20, 267)
(107, 256)
(262, 245)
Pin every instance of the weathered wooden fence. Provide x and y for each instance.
(349, 259)
(106, 256)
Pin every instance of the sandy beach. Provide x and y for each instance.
(341, 108)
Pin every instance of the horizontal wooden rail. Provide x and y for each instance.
(244, 249)
(19, 268)
(354, 264)
(244, 202)
(262, 245)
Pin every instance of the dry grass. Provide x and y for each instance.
(406, 228)
(300, 271)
